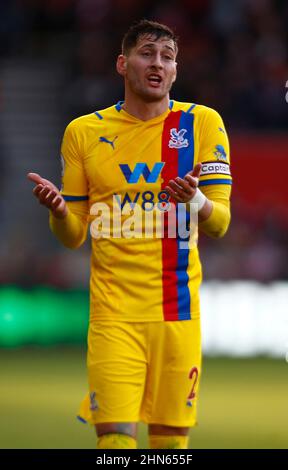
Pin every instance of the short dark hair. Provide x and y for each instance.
(148, 27)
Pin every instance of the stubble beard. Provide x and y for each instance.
(148, 96)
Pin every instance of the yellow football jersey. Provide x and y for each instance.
(118, 162)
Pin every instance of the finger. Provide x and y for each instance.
(38, 189)
(170, 191)
(184, 184)
(185, 195)
(192, 180)
(39, 180)
(174, 185)
(197, 170)
(50, 197)
(181, 194)
(172, 194)
(48, 189)
(178, 198)
(35, 178)
(50, 184)
(43, 194)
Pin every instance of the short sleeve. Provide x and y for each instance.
(74, 180)
(214, 151)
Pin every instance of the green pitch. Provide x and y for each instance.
(243, 402)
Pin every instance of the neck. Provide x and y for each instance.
(144, 110)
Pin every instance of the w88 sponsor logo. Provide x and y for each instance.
(147, 200)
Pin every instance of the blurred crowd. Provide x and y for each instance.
(233, 54)
(233, 57)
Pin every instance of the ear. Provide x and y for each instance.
(175, 74)
(121, 64)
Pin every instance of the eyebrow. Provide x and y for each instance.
(151, 45)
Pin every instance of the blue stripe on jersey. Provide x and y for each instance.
(171, 104)
(82, 419)
(214, 181)
(118, 106)
(98, 115)
(184, 299)
(185, 164)
(75, 198)
(191, 107)
(186, 154)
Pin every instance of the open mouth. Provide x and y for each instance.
(154, 79)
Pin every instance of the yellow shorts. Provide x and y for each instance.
(143, 372)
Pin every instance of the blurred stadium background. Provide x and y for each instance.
(57, 62)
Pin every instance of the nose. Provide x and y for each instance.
(157, 61)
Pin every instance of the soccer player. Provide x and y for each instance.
(147, 152)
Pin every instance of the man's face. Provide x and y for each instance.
(150, 68)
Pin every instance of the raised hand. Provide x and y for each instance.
(48, 195)
(183, 189)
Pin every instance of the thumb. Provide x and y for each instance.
(196, 170)
(39, 180)
(35, 178)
